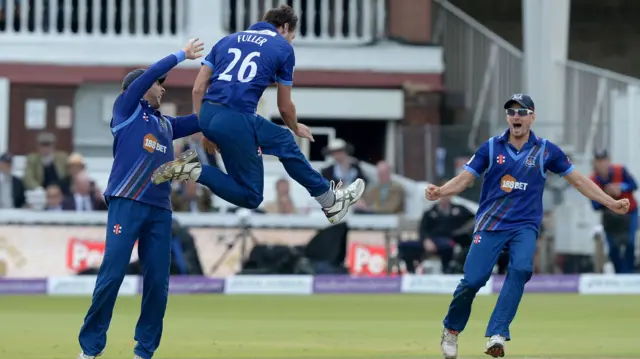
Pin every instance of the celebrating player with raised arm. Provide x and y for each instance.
(515, 167)
(225, 94)
(138, 210)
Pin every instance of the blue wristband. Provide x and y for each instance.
(180, 55)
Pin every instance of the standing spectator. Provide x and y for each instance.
(190, 197)
(620, 229)
(386, 197)
(83, 197)
(442, 227)
(344, 168)
(11, 187)
(54, 198)
(47, 166)
(283, 204)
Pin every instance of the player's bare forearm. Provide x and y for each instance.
(200, 88)
(457, 184)
(286, 107)
(589, 189)
(288, 114)
(197, 96)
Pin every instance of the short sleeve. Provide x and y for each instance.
(210, 59)
(480, 160)
(557, 161)
(284, 75)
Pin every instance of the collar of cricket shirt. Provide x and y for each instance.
(533, 139)
(262, 25)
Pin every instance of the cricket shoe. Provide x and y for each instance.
(180, 169)
(85, 356)
(495, 346)
(449, 344)
(345, 198)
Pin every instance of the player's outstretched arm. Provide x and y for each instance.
(452, 188)
(592, 191)
(184, 126)
(130, 98)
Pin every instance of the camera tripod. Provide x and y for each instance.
(240, 239)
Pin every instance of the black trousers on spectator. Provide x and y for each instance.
(411, 252)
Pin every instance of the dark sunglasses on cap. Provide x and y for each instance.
(520, 111)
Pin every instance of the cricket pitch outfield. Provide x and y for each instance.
(326, 327)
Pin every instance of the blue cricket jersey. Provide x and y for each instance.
(244, 64)
(143, 139)
(514, 181)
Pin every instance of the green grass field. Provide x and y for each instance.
(326, 326)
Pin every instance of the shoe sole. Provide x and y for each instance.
(495, 351)
(161, 173)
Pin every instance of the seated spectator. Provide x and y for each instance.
(11, 187)
(75, 165)
(83, 197)
(344, 168)
(47, 166)
(283, 204)
(441, 228)
(191, 197)
(54, 198)
(386, 197)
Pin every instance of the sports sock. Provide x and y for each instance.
(327, 199)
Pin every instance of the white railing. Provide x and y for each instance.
(481, 66)
(337, 22)
(82, 18)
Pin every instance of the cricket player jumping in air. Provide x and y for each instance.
(226, 92)
(138, 210)
(515, 166)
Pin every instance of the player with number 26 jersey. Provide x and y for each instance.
(225, 95)
(235, 61)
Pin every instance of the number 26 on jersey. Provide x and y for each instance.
(247, 70)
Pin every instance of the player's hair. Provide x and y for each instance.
(281, 15)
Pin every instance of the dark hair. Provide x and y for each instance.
(282, 15)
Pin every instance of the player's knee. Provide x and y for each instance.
(522, 273)
(254, 200)
(474, 283)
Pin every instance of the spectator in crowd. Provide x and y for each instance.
(47, 166)
(620, 229)
(386, 197)
(75, 165)
(442, 227)
(54, 198)
(11, 187)
(190, 197)
(344, 168)
(83, 197)
(282, 204)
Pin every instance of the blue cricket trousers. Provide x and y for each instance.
(481, 259)
(626, 263)
(242, 139)
(128, 221)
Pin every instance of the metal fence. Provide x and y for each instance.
(486, 69)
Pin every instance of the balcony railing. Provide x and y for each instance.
(150, 18)
(332, 22)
